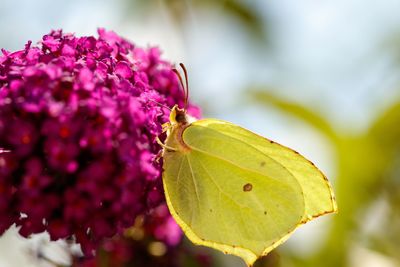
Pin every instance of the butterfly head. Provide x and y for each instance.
(178, 116)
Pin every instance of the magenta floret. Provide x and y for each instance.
(78, 122)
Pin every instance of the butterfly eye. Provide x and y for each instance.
(181, 117)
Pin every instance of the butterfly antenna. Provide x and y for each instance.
(187, 84)
(181, 81)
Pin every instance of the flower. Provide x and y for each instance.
(79, 117)
(141, 246)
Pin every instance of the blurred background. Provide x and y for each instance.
(321, 77)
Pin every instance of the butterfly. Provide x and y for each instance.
(235, 191)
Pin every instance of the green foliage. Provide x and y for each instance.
(246, 15)
(294, 109)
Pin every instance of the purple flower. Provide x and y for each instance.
(78, 122)
(142, 247)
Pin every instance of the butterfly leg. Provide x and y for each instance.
(158, 156)
(168, 148)
(166, 126)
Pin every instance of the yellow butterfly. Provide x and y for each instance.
(236, 191)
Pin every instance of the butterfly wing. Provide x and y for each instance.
(233, 192)
(318, 193)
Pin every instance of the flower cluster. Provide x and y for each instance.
(78, 122)
(140, 246)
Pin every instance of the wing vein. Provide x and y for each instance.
(220, 191)
(179, 172)
(240, 167)
(194, 183)
(246, 144)
(327, 185)
(219, 188)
